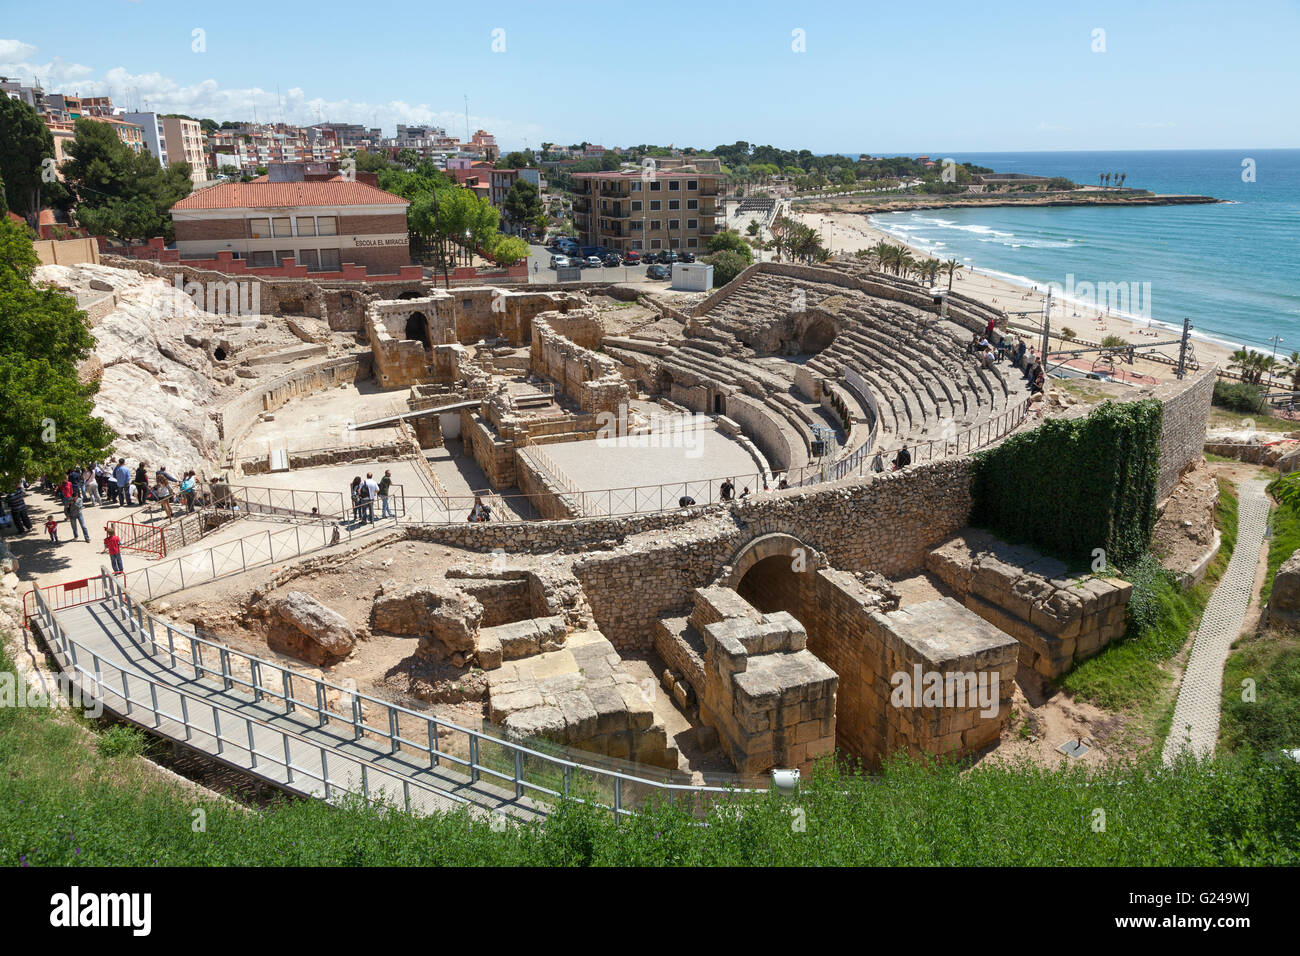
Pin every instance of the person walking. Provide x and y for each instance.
(164, 488)
(72, 508)
(91, 485)
(189, 491)
(122, 476)
(142, 483)
(17, 502)
(113, 545)
(385, 484)
(355, 491)
(52, 528)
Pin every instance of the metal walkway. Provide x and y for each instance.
(301, 733)
(1195, 725)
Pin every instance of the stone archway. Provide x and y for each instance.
(417, 329)
(774, 572)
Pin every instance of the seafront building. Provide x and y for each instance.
(670, 206)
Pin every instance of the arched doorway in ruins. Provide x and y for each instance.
(417, 329)
(818, 335)
(775, 572)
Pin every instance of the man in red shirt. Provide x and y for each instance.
(113, 545)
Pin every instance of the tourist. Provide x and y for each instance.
(355, 491)
(745, 494)
(66, 490)
(52, 528)
(385, 483)
(113, 545)
(142, 483)
(72, 508)
(74, 476)
(90, 486)
(122, 475)
(17, 502)
(189, 491)
(480, 511)
(1030, 359)
(101, 480)
(902, 459)
(1036, 386)
(783, 484)
(163, 490)
(685, 501)
(727, 490)
(988, 329)
(369, 492)
(1018, 355)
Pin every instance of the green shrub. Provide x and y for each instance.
(1239, 397)
(121, 741)
(1071, 486)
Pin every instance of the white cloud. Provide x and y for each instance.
(207, 98)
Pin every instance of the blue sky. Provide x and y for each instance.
(935, 78)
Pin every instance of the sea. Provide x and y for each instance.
(1232, 268)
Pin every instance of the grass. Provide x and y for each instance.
(1285, 525)
(64, 801)
(1263, 715)
(1223, 418)
(1128, 674)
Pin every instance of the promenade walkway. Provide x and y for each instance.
(1195, 725)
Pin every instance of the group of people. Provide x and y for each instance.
(993, 347)
(364, 493)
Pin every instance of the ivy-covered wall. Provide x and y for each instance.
(1071, 486)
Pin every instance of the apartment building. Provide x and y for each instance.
(673, 206)
(319, 224)
(154, 136)
(127, 132)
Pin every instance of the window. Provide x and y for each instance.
(655, 205)
(636, 243)
(261, 260)
(656, 186)
(309, 258)
(282, 226)
(329, 260)
(692, 224)
(636, 205)
(674, 204)
(636, 226)
(692, 184)
(467, 304)
(692, 204)
(306, 226)
(654, 243)
(259, 229)
(636, 187)
(327, 225)
(674, 242)
(654, 225)
(281, 255)
(692, 243)
(674, 185)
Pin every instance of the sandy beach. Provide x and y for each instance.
(849, 232)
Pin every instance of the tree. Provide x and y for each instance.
(522, 202)
(509, 250)
(408, 158)
(727, 264)
(952, 265)
(370, 162)
(25, 144)
(119, 192)
(515, 160)
(729, 241)
(46, 425)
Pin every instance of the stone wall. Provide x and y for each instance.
(1284, 600)
(760, 425)
(1059, 619)
(1183, 426)
(593, 380)
(238, 415)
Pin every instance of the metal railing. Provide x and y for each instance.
(141, 538)
(398, 729)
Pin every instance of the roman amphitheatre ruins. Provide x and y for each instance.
(618, 604)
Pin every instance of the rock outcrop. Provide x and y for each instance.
(1284, 601)
(303, 627)
(446, 620)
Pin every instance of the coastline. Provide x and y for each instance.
(859, 205)
(851, 231)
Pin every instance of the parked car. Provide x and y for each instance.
(658, 271)
(688, 257)
(669, 256)
(612, 260)
(560, 262)
(632, 258)
(593, 262)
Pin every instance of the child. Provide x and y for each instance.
(113, 545)
(52, 527)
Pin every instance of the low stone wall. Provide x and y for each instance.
(238, 415)
(1182, 427)
(551, 500)
(593, 380)
(390, 451)
(1059, 619)
(760, 424)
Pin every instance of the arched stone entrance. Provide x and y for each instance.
(417, 329)
(775, 572)
(819, 334)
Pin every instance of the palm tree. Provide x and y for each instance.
(1293, 369)
(1122, 177)
(1101, 179)
(952, 265)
